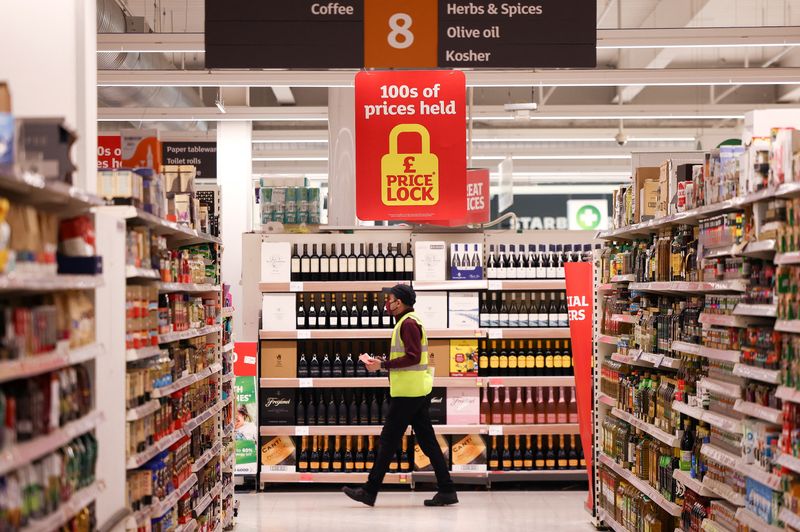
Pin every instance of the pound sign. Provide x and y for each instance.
(408, 163)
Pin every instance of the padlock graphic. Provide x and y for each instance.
(410, 178)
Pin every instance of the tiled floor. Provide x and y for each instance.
(549, 511)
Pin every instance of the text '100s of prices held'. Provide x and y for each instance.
(421, 107)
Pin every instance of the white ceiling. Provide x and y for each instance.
(188, 16)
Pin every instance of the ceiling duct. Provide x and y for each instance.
(112, 19)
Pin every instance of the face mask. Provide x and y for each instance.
(388, 306)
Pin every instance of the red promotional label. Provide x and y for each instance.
(245, 360)
(580, 303)
(410, 148)
(109, 152)
(477, 201)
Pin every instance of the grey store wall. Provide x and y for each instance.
(540, 211)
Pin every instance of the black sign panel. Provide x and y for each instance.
(475, 34)
(520, 34)
(284, 34)
(203, 155)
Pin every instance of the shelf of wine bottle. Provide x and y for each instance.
(339, 265)
(375, 430)
(331, 478)
(439, 382)
(328, 286)
(367, 334)
(641, 485)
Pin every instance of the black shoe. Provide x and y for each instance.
(360, 495)
(442, 499)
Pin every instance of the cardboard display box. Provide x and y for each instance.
(646, 176)
(277, 406)
(464, 358)
(430, 261)
(279, 312)
(422, 462)
(438, 409)
(278, 453)
(431, 307)
(463, 406)
(439, 357)
(276, 262)
(463, 310)
(469, 453)
(279, 359)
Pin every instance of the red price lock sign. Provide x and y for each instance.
(410, 145)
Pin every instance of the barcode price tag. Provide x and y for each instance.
(301, 431)
(657, 360)
(495, 334)
(635, 354)
(495, 430)
(295, 286)
(303, 335)
(495, 285)
(306, 383)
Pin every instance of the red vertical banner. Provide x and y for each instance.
(580, 302)
(245, 360)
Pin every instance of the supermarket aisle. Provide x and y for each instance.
(553, 511)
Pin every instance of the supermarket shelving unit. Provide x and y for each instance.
(251, 278)
(65, 201)
(743, 315)
(117, 276)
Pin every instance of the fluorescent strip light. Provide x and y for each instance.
(207, 119)
(550, 157)
(640, 117)
(576, 139)
(291, 141)
(288, 159)
(662, 46)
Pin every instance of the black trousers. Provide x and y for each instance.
(405, 411)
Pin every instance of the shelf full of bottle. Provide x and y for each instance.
(507, 406)
(501, 309)
(388, 261)
(495, 358)
(471, 455)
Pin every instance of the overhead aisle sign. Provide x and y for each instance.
(400, 34)
(409, 164)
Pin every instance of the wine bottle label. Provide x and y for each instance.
(301, 322)
(491, 273)
(324, 265)
(530, 361)
(361, 265)
(501, 273)
(302, 465)
(494, 320)
(517, 464)
(359, 466)
(527, 464)
(562, 462)
(389, 265)
(380, 266)
(296, 265)
(305, 264)
(540, 463)
(333, 265)
(560, 272)
(315, 266)
(550, 463)
(530, 272)
(343, 264)
(541, 320)
(503, 320)
(374, 321)
(552, 320)
(563, 320)
(314, 465)
(515, 320)
(322, 321)
(573, 463)
(370, 264)
(387, 320)
(551, 272)
(511, 273)
(312, 321)
(551, 418)
(573, 417)
(352, 264)
(561, 418)
(541, 272)
(494, 464)
(337, 466)
(345, 321)
(484, 320)
(334, 321)
(409, 264)
(520, 273)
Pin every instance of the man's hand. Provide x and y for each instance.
(372, 364)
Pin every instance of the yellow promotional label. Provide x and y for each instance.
(410, 178)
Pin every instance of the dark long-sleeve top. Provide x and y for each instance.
(411, 334)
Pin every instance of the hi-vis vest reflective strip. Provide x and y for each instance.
(413, 381)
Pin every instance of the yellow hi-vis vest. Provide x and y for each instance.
(412, 381)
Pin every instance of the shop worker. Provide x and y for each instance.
(410, 384)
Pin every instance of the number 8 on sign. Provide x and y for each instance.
(400, 23)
